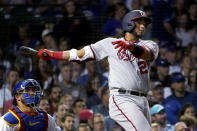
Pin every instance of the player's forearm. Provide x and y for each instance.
(73, 54)
(65, 55)
(83, 54)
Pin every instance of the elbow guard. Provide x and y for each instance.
(73, 55)
(89, 55)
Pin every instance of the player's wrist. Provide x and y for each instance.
(130, 47)
(56, 55)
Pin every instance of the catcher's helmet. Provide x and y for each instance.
(127, 22)
(24, 86)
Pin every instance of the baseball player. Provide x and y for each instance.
(24, 115)
(129, 60)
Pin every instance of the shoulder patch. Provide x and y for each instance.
(10, 119)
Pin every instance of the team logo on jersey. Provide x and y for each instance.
(142, 13)
(126, 56)
(32, 124)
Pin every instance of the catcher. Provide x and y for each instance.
(25, 115)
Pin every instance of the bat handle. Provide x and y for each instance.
(44, 54)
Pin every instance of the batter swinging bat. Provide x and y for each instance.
(29, 51)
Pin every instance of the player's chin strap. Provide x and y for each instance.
(33, 106)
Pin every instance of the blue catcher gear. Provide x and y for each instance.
(127, 22)
(24, 88)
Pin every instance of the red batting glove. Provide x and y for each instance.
(45, 54)
(124, 45)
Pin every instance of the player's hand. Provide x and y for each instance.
(45, 54)
(123, 45)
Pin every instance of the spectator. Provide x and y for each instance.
(185, 65)
(155, 127)
(162, 17)
(103, 108)
(192, 14)
(4, 61)
(98, 122)
(180, 126)
(192, 81)
(76, 71)
(178, 7)
(11, 79)
(171, 56)
(184, 32)
(113, 26)
(78, 106)
(68, 122)
(111, 124)
(73, 25)
(25, 38)
(86, 116)
(179, 97)
(91, 71)
(191, 50)
(132, 4)
(50, 11)
(45, 74)
(90, 9)
(54, 97)
(187, 110)
(69, 87)
(105, 68)
(5, 93)
(50, 42)
(157, 92)
(44, 104)
(64, 44)
(49, 39)
(162, 66)
(92, 90)
(24, 66)
(83, 127)
(190, 121)
(159, 116)
(19, 1)
(163, 49)
(60, 110)
(148, 10)
(68, 101)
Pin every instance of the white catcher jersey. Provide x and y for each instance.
(125, 71)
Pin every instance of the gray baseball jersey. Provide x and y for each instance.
(126, 71)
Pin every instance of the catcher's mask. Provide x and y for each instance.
(30, 90)
(128, 20)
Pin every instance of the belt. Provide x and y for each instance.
(121, 91)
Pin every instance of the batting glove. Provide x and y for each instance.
(124, 45)
(45, 54)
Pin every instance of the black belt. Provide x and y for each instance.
(121, 91)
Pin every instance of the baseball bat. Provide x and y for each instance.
(30, 51)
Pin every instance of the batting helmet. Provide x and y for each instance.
(127, 22)
(24, 87)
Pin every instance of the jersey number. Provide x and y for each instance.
(143, 67)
